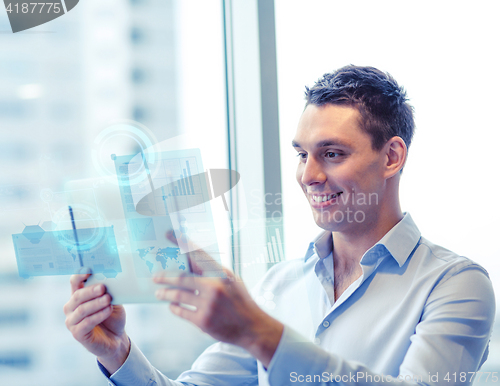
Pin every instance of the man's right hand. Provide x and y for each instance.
(96, 324)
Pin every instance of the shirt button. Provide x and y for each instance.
(326, 324)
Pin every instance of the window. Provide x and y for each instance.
(437, 52)
(62, 84)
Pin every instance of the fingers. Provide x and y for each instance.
(176, 295)
(229, 274)
(83, 295)
(201, 263)
(183, 312)
(182, 281)
(86, 309)
(171, 237)
(82, 329)
(77, 282)
(194, 291)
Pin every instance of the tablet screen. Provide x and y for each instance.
(160, 191)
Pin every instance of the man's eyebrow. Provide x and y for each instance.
(332, 142)
(325, 143)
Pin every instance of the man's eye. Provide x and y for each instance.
(302, 156)
(332, 154)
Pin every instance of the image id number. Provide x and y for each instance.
(33, 7)
(485, 376)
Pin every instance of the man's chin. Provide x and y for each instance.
(334, 221)
(332, 226)
(346, 220)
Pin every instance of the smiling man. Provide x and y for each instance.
(352, 186)
(371, 302)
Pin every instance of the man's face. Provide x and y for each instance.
(339, 172)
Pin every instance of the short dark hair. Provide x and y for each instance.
(382, 103)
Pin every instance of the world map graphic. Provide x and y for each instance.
(157, 258)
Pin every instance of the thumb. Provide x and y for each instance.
(201, 263)
(170, 235)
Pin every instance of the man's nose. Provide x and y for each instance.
(313, 172)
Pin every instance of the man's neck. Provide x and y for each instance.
(350, 246)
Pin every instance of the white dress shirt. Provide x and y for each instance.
(418, 314)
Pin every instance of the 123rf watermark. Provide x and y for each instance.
(450, 377)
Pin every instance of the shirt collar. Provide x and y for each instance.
(399, 241)
(323, 244)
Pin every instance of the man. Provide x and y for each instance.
(371, 302)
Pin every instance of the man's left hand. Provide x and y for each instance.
(221, 307)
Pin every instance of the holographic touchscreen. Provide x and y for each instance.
(124, 243)
(41, 253)
(174, 196)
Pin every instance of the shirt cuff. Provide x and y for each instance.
(136, 370)
(294, 356)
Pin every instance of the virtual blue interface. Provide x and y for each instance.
(40, 253)
(159, 192)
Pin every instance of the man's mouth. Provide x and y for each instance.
(323, 198)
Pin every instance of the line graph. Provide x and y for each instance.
(143, 229)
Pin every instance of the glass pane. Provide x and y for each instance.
(105, 79)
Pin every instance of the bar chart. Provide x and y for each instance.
(182, 171)
(260, 247)
(271, 251)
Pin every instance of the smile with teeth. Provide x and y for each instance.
(317, 198)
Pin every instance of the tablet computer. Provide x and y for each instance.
(158, 192)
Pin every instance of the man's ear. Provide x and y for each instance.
(396, 151)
